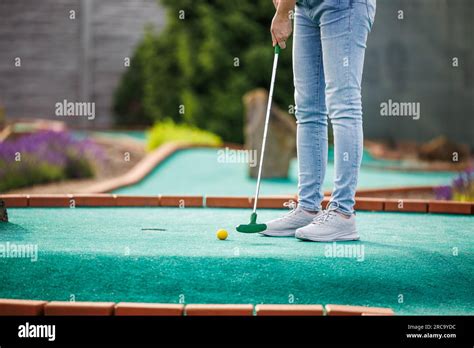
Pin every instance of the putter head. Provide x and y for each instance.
(252, 227)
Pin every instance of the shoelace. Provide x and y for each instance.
(291, 205)
(326, 214)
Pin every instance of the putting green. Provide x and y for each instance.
(198, 171)
(413, 263)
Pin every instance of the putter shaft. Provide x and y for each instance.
(265, 130)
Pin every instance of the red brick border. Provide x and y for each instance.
(371, 204)
(219, 309)
(157, 309)
(270, 202)
(15, 201)
(337, 310)
(406, 205)
(94, 200)
(449, 207)
(50, 200)
(288, 310)
(182, 201)
(79, 308)
(228, 202)
(12, 307)
(137, 201)
(393, 190)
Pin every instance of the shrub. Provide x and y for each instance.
(168, 131)
(191, 63)
(44, 157)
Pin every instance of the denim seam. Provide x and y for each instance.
(355, 149)
(347, 50)
(318, 129)
(306, 12)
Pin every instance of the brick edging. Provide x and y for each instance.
(15, 307)
(267, 202)
(393, 190)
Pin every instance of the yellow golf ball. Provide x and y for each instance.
(222, 234)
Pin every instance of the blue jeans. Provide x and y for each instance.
(328, 57)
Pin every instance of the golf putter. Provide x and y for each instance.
(253, 226)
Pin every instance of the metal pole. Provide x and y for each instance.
(85, 70)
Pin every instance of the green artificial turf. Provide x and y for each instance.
(103, 254)
(214, 177)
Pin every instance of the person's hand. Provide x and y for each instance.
(281, 29)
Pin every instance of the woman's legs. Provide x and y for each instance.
(344, 31)
(328, 55)
(344, 25)
(311, 114)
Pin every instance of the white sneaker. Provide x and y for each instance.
(286, 226)
(329, 226)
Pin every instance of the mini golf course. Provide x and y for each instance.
(405, 261)
(173, 176)
(151, 247)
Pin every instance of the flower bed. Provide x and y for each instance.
(461, 188)
(45, 157)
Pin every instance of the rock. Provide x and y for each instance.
(442, 149)
(281, 138)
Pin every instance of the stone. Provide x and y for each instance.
(281, 137)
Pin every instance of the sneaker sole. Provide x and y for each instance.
(336, 238)
(287, 233)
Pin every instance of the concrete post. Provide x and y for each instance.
(85, 71)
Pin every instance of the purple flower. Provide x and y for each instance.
(45, 156)
(443, 192)
(462, 187)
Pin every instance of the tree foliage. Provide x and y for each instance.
(203, 64)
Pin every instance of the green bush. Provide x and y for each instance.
(191, 63)
(38, 173)
(168, 131)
